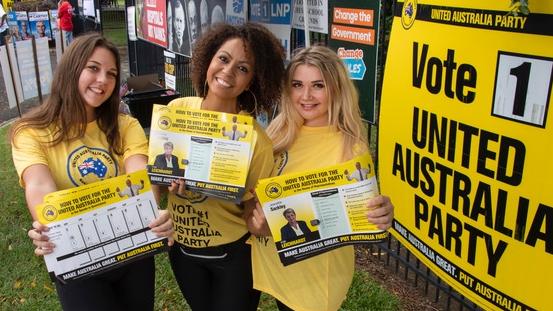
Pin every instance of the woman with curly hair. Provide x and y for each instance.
(80, 120)
(235, 69)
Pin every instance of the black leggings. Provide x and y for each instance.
(130, 287)
(213, 284)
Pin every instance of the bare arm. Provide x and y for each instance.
(135, 163)
(38, 183)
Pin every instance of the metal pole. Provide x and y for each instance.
(37, 72)
(306, 25)
(11, 74)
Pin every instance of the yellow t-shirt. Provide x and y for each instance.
(80, 161)
(202, 221)
(318, 283)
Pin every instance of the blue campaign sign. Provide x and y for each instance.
(281, 12)
(259, 11)
(271, 11)
(356, 68)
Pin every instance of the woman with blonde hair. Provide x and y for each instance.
(319, 124)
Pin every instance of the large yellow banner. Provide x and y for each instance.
(466, 138)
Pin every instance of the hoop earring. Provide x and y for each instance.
(275, 110)
(206, 88)
(254, 103)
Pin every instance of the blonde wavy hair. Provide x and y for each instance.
(344, 114)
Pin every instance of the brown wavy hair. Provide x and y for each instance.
(64, 110)
(260, 43)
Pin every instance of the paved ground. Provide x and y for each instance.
(7, 114)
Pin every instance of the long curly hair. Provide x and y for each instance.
(64, 110)
(260, 43)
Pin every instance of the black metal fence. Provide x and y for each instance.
(403, 263)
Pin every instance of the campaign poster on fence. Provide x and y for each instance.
(14, 33)
(315, 211)
(100, 226)
(237, 12)
(7, 5)
(465, 143)
(276, 15)
(354, 29)
(131, 24)
(88, 8)
(39, 23)
(151, 22)
(178, 39)
(317, 15)
(54, 23)
(170, 70)
(26, 66)
(44, 63)
(23, 23)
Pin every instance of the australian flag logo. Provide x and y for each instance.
(93, 166)
(409, 10)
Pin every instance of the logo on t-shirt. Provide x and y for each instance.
(93, 166)
(280, 162)
(86, 165)
(192, 197)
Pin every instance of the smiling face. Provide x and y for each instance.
(309, 95)
(40, 29)
(230, 72)
(97, 80)
(168, 149)
(291, 217)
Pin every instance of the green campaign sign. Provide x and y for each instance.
(353, 34)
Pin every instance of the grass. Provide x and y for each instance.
(26, 286)
(115, 31)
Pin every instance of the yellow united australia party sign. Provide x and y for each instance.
(466, 140)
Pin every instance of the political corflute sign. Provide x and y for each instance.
(465, 141)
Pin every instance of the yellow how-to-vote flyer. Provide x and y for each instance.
(210, 150)
(315, 211)
(100, 226)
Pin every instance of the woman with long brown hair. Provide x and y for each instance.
(81, 120)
